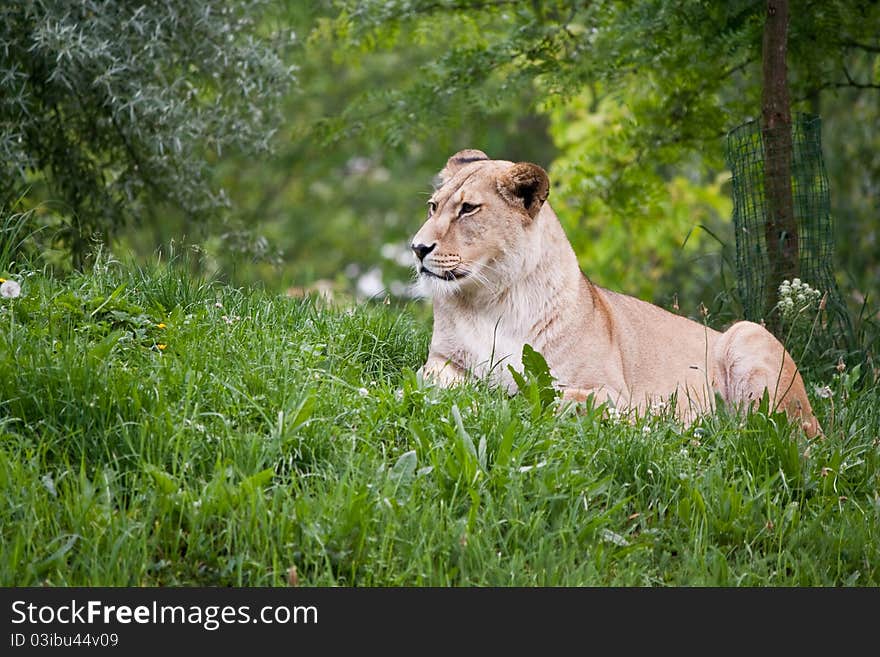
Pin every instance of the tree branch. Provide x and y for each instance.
(852, 83)
(735, 69)
(849, 43)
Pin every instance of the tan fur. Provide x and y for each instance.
(505, 275)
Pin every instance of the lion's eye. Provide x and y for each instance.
(432, 207)
(467, 208)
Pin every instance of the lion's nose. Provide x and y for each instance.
(421, 250)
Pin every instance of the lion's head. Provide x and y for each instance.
(478, 234)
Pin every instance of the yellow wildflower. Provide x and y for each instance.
(160, 325)
(161, 347)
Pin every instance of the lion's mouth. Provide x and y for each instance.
(449, 275)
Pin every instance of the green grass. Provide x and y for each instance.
(269, 433)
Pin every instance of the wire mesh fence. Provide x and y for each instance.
(784, 232)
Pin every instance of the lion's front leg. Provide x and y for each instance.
(616, 406)
(600, 395)
(442, 371)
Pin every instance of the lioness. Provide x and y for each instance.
(502, 274)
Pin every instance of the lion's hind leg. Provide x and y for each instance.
(750, 361)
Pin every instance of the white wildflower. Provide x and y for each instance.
(796, 298)
(825, 392)
(10, 290)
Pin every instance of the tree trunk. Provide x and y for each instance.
(780, 227)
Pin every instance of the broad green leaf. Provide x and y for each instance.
(164, 481)
(465, 437)
(258, 480)
(402, 473)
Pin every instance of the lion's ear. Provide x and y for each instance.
(456, 162)
(525, 184)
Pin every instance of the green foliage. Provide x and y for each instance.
(14, 236)
(112, 105)
(223, 437)
(689, 59)
(535, 381)
(614, 200)
(852, 155)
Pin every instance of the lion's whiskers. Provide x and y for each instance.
(473, 270)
